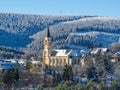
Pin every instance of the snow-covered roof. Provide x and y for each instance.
(21, 61)
(35, 62)
(104, 49)
(60, 52)
(85, 51)
(10, 63)
(7, 65)
(96, 50)
(118, 52)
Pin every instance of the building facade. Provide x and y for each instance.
(56, 59)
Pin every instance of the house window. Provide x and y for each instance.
(74, 61)
(78, 61)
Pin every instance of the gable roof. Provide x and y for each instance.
(7, 64)
(60, 52)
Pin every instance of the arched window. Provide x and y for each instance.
(57, 61)
(49, 61)
(53, 61)
(60, 61)
(65, 61)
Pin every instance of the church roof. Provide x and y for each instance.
(47, 33)
(60, 52)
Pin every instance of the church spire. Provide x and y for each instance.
(48, 32)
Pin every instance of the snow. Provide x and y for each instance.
(104, 49)
(10, 63)
(96, 50)
(118, 52)
(84, 79)
(85, 51)
(95, 31)
(103, 18)
(35, 62)
(62, 52)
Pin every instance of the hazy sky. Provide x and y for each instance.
(62, 7)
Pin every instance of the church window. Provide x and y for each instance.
(64, 61)
(50, 61)
(60, 61)
(57, 61)
(53, 61)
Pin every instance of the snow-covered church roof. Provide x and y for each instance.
(60, 52)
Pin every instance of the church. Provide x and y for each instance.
(57, 58)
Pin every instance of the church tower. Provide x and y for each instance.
(47, 49)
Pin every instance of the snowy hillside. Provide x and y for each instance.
(15, 29)
(86, 32)
(21, 31)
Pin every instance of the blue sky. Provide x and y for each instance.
(62, 7)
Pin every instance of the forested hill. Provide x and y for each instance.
(76, 32)
(86, 32)
(15, 29)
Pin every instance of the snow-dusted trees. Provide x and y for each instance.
(15, 29)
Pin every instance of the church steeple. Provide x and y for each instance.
(47, 48)
(48, 33)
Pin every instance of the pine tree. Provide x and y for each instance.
(59, 87)
(0, 80)
(68, 73)
(78, 86)
(91, 85)
(39, 87)
(28, 65)
(16, 71)
(115, 85)
(102, 86)
(8, 78)
(67, 85)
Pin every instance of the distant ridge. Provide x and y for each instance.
(27, 31)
